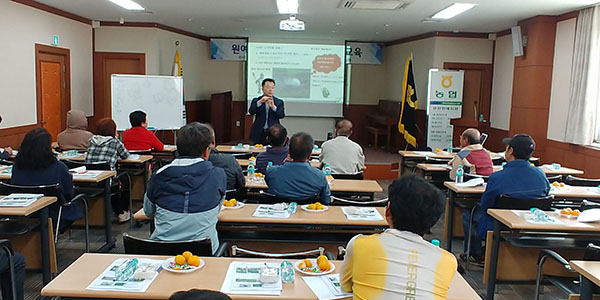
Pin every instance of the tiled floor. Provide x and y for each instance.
(68, 249)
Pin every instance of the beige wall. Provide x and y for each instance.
(561, 78)
(367, 84)
(504, 66)
(21, 27)
(462, 50)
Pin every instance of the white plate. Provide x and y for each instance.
(314, 263)
(305, 207)
(237, 206)
(168, 263)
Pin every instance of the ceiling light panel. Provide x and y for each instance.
(287, 6)
(453, 10)
(127, 4)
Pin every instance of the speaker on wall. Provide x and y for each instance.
(517, 40)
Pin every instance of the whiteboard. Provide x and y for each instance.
(160, 97)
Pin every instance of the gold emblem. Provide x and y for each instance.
(409, 92)
(446, 81)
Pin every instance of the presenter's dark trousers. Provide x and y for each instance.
(263, 138)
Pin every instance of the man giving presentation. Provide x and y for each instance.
(268, 110)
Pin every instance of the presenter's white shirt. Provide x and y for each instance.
(343, 156)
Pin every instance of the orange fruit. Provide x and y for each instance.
(312, 206)
(186, 254)
(180, 260)
(319, 205)
(321, 258)
(227, 203)
(575, 212)
(307, 263)
(194, 261)
(301, 265)
(233, 201)
(324, 265)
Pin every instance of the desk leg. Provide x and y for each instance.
(587, 288)
(45, 246)
(450, 221)
(110, 241)
(401, 166)
(146, 167)
(493, 261)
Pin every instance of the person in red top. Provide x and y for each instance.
(138, 137)
(472, 156)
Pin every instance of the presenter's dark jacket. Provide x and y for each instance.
(261, 116)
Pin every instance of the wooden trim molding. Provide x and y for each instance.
(155, 25)
(54, 10)
(473, 35)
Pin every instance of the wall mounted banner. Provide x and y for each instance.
(364, 53)
(228, 49)
(444, 102)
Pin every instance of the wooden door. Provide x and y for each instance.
(477, 97)
(53, 87)
(106, 64)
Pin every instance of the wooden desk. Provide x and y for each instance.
(252, 149)
(358, 187)
(245, 162)
(40, 205)
(474, 194)
(430, 168)
(73, 281)
(590, 276)
(518, 227)
(139, 160)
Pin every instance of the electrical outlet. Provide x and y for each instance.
(238, 123)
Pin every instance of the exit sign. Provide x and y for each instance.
(55, 40)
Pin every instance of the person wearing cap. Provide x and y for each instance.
(518, 179)
(472, 156)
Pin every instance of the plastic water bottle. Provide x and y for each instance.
(269, 165)
(450, 147)
(435, 242)
(459, 174)
(126, 270)
(539, 215)
(251, 169)
(287, 271)
(327, 170)
(292, 207)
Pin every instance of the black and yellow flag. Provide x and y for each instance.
(408, 117)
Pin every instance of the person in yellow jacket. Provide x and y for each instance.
(399, 263)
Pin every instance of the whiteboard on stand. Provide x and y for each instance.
(160, 97)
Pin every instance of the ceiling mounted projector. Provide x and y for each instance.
(291, 24)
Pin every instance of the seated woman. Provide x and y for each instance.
(36, 165)
(105, 147)
(399, 263)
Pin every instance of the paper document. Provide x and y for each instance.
(472, 183)
(361, 213)
(19, 200)
(6, 170)
(531, 218)
(268, 211)
(133, 157)
(105, 282)
(87, 174)
(244, 278)
(326, 286)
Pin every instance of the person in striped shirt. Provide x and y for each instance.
(399, 263)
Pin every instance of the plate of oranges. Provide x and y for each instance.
(314, 207)
(183, 263)
(318, 266)
(232, 204)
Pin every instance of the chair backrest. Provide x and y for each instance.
(98, 165)
(241, 252)
(51, 190)
(592, 252)
(141, 152)
(135, 245)
(4, 162)
(336, 201)
(577, 181)
(508, 202)
(357, 176)
(553, 178)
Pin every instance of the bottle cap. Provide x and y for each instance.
(435, 242)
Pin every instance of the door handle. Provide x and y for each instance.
(43, 122)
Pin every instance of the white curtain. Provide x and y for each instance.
(583, 120)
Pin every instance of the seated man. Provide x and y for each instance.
(296, 179)
(138, 137)
(185, 196)
(277, 152)
(472, 156)
(517, 179)
(399, 263)
(342, 154)
(76, 136)
(5, 152)
(235, 176)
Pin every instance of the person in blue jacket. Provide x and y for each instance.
(268, 110)
(185, 196)
(518, 179)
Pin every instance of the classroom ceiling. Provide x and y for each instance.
(325, 20)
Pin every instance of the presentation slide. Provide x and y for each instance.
(309, 78)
